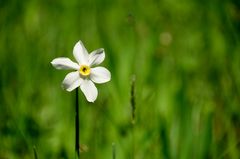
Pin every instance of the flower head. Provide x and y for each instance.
(85, 74)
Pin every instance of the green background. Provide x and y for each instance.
(185, 56)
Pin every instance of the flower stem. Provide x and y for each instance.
(77, 148)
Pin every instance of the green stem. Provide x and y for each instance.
(77, 147)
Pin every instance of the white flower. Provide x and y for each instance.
(85, 73)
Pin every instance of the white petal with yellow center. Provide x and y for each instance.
(84, 76)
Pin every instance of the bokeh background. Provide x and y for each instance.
(185, 56)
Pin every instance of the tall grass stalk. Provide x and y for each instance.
(133, 101)
(113, 151)
(133, 109)
(35, 152)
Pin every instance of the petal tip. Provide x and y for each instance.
(69, 90)
(91, 101)
(53, 61)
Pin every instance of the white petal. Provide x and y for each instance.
(72, 81)
(64, 63)
(96, 57)
(80, 53)
(89, 90)
(100, 75)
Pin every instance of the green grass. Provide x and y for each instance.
(185, 56)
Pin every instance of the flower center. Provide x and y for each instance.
(84, 70)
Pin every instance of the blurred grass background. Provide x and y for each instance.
(186, 58)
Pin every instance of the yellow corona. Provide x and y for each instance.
(84, 70)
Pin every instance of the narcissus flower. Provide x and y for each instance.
(85, 74)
